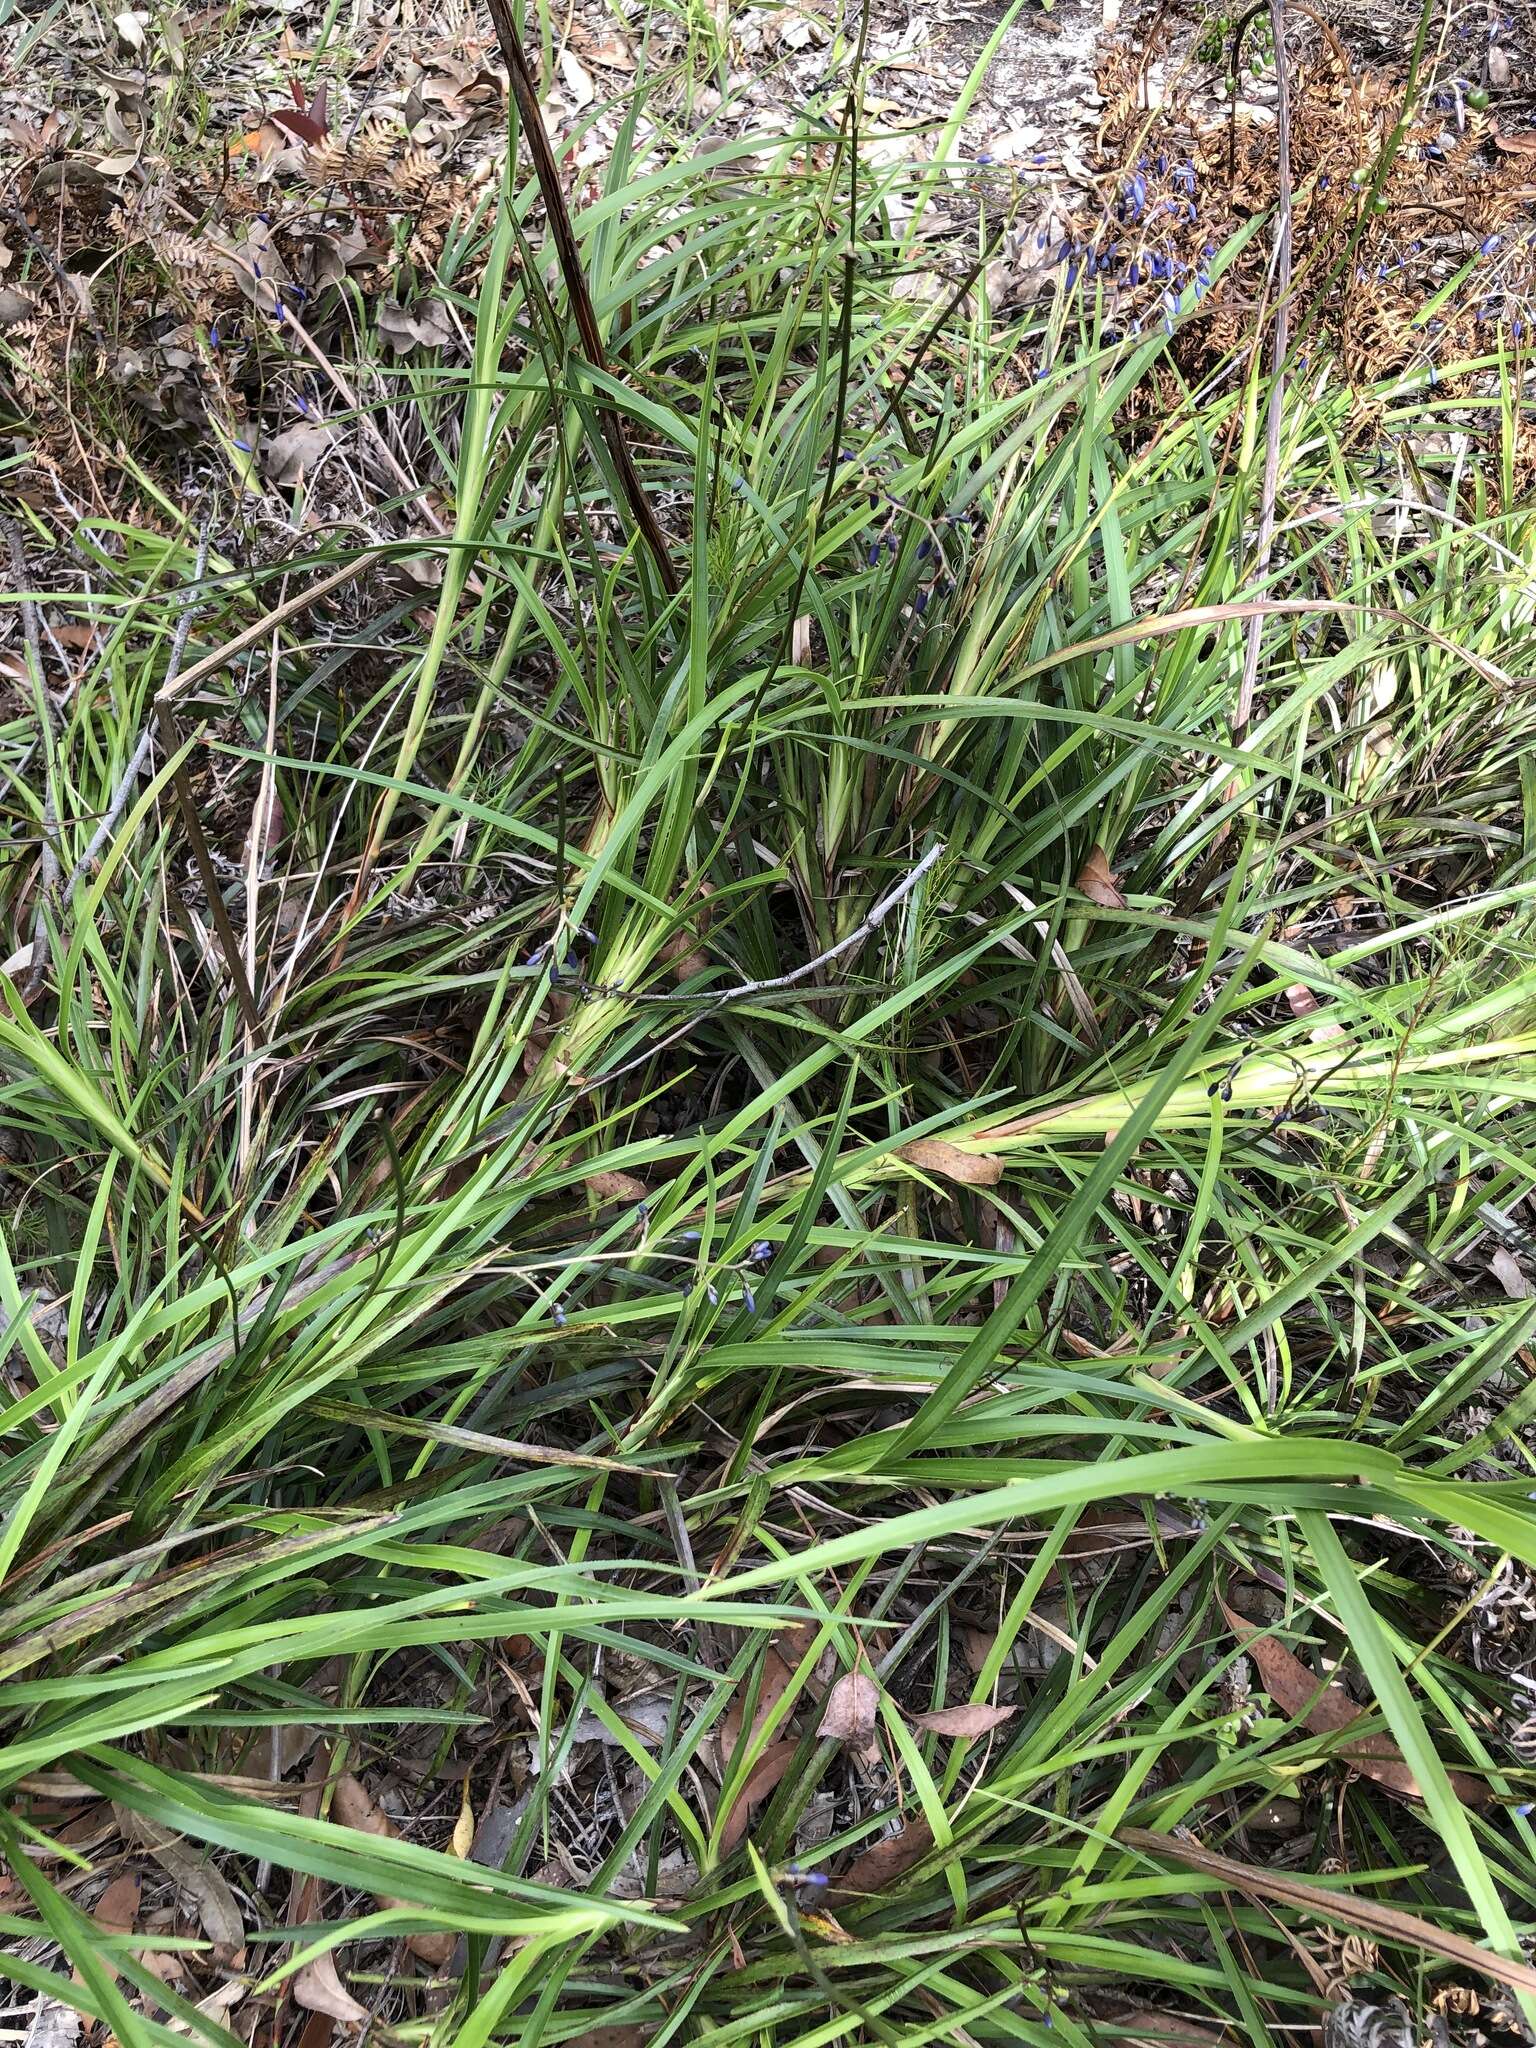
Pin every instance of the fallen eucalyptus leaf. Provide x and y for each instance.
(851, 1708)
(318, 1989)
(967, 1721)
(761, 1780)
(354, 1807)
(1326, 1709)
(935, 1155)
(888, 1860)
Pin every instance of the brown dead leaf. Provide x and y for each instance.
(683, 952)
(217, 1911)
(289, 457)
(1522, 145)
(427, 324)
(1507, 1270)
(354, 1807)
(1301, 999)
(935, 1155)
(1098, 881)
(316, 2031)
(611, 52)
(617, 1187)
(800, 640)
(888, 1859)
(778, 1668)
(851, 1709)
(117, 1910)
(318, 1989)
(761, 1780)
(1326, 1710)
(1340, 1908)
(967, 1721)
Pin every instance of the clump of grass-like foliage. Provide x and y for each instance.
(488, 1323)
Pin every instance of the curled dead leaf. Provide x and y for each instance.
(1509, 1273)
(217, 1911)
(851, 1708)
(318, 1989)
(464, 1826)
(936, 1155)
(1099, 882)
(289, 457)
(966, 1721)
(1326, 1709)
(427, 324)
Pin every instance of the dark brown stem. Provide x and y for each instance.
(548, 174)
(1244, 714)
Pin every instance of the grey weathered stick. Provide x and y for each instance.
(713, 998)
(1243, 716)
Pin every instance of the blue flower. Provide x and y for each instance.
(559, 1315)
(924, 548)
(750, 1299)
(1489, 246)
(761, 1252)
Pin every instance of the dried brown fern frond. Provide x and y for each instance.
(415, 172)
